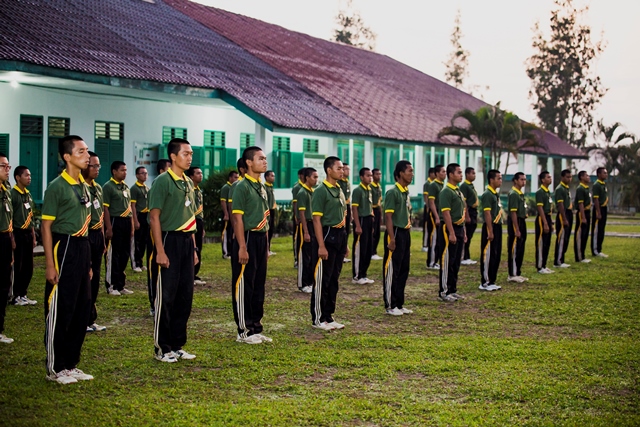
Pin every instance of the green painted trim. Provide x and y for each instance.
(253, 115)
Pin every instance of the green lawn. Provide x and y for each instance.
(563, 349)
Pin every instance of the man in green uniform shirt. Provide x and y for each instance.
(600, 202)
(305, 196)
(362, 214)
(195, 174)
(24, 236)
(96, 236)
(564, 219)
(452, 234)
(426, 222)
(376, 194)
(471, 215)
(397, 238)
(583, 217)
(544, 227)
(294, 213)
(226, 238)
(269, 179)
(66, 215)
(118, 226)
(434, 190)
(517, 228)
(6, 243)
(139, 214)
(249, 272)
(173, 224)
(329, 220)
(491, 237)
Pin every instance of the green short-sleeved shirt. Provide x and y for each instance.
(425, 187)
(600, 192)
(329, 203)
(305, 196)
(68, 204)
(6, 210)
(490, 201)
(376, 195)
(451, 199)
(543, 198)
(232, 189)
(397, 202)
(271, 197)
(97, 208)
(22, 204)
(363, 200)
(583, 196)
(250, 200)
(563, 195)
(174, 196)
(117, 197)
(517, 203)
(345, 186)
(434, 191)
(139, 196)
(199, 203)
(224, 192)
(470, 194)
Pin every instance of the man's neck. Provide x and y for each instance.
(21, 187)
(254, 175)
(404, 183)
(73, 172)
(177, 170)
(332, 181)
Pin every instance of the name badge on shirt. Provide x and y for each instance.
(125, 193)
(6, 206)
(550, 199)
(187, 202)
(96, 204)
(27, 206)
(88, 204)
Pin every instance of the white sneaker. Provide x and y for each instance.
(550, 271)
(226, 256)
(79, 375)
(62, 377)
(264, 338)
(563, 265)
(523, 279)
(126, 291)
(467, 262)
(166, 357)
(5, 339)
(376, 257)
(144, 268)
(362, 281)
(324, 326)
(96, 328)
(306, 289)
(369, 280)
(114, 292)
(29, 301)
(545, 271)
(20, 301)
(271, 253)
(181, 354)
(199, 282)
(447, 298)
(601, 255)
(346, 260)
(456, 295)
(251, 339)
(425, 249)
(405, 310)
(137, 270)
(435, 266)
(336, 325)
(484, 287)
(586, 260)
(514, 279)
(394, 312)
(494, 287)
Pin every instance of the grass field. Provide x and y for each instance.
(563, 349)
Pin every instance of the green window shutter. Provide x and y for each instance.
(4, 143)
(230, 157)
(102, 150)
(247, 140)
(297, 163)
(168, 133)
(310, 145)
(281, 143)
(198, 155)
(214, 138)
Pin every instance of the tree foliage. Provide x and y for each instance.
(458, 63)
(564, 88)
(352, 29)
(497, 131)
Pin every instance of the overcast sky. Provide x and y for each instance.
(498, 34)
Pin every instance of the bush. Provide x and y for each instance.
(213, 214)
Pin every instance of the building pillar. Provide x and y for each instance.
(452, 156)
(260, 136)
(534, 174)
(521, 159)
(564, 163)
(368, 154)
(351, 160)
(463, 159)
(550, 167)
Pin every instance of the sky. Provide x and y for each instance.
(497, 33)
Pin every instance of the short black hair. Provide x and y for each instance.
(4, 155)
(231, 173)
(116, 165)
(374, 170)
(308, 172)
(139, 168)
(92, 154)
(401, 166)
(492, 174)
(192, 171)
(565, 172)
(250, 152)
(438, 168)
(345, 164)
(600, 170)
(267, 173)
(329, 162)
(468, 170)
(363, 171)
(581, 174)
(451, 168)
(240, 164)
(517, 176)
(162, 164)
(66, 144)
(301, 172)
(542, 175)
(174, 146)
(19, 171)
(431, 171)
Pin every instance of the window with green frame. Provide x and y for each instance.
(4, 143)
(343, 150)
(285, 162)
(409, 153)
(439, 157)
(168, 133)
(310, 145)
(109, 146)
(385, 158)
(357, 162)
(247, 140)
(58, 127)
(214, 156)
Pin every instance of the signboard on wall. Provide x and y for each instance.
(146, 154)
(316, 162)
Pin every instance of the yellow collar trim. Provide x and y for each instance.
(366, 187)
(250, 178)
(305, 186)
(451, 186)
(564, 185)
(140, 184)
(600, 181)
(374, 184)
(544, 188)
(490, 188)
(268, 184)
(19, 190)
(327, 183)
(401, 188)
(174, 176)
(466, 181)
(438, 181)
(70, 180)
(585, 186)
(516, 190)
